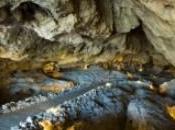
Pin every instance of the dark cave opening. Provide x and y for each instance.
(26, 11)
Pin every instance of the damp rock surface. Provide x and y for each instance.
(47, 48)
(101, 97)
(129, 107)
(85, 80)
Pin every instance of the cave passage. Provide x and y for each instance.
(87, 65)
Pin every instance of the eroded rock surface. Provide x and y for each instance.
(91, 31)
(115, 103)
(99, 97)
(118, 34)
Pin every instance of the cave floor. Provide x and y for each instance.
(91, 95)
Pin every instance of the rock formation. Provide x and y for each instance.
(48, 37)
(90, 31)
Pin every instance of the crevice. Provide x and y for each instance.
(26, 11)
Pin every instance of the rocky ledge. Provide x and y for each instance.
(87, 31)
(117, 103)
(101, 99)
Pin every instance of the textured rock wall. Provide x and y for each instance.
(87, 31)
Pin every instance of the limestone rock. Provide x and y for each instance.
(83, 28)
(124, 17)
(158, 21)
(168, 88)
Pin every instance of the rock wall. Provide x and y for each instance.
(87, 31)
